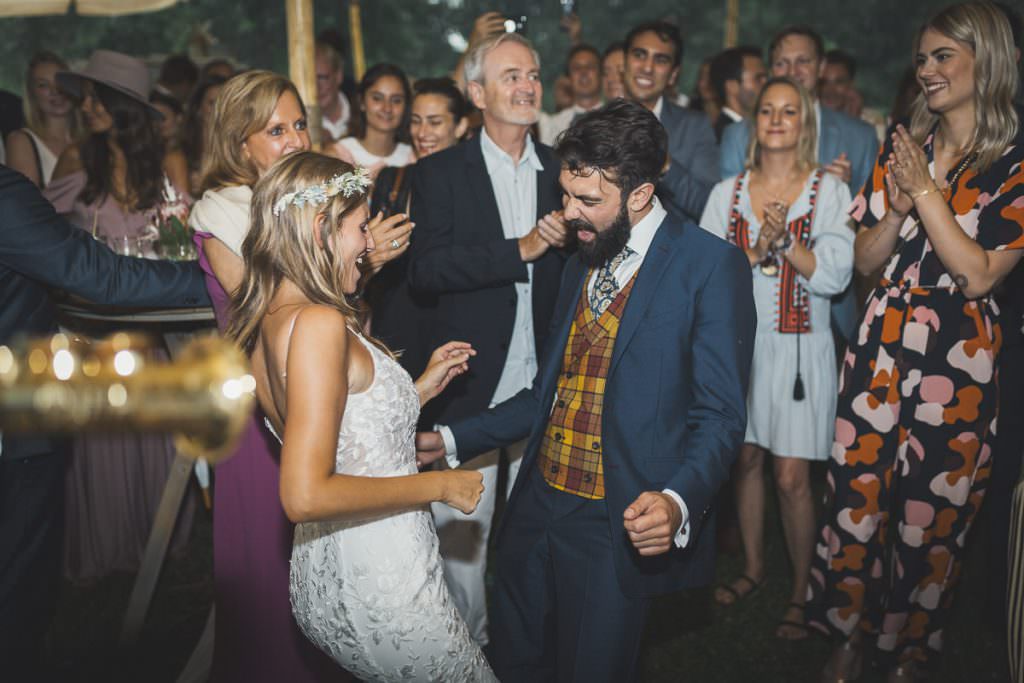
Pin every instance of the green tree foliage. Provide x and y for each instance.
(413, 33)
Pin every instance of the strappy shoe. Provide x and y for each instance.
(799, 626)
(845, 664)
(737, 595)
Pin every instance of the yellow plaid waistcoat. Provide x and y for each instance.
(570, 452)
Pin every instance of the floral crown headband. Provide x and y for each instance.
(348, 184)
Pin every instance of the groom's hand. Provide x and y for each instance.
(429, 447)
(652, 521)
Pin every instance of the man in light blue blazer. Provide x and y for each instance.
(847, 147)
(654, 51)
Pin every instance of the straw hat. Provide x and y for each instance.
(126, 74)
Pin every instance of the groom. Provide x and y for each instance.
(633, 420)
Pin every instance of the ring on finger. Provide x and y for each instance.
(395, 244)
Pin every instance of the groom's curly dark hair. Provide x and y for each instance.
(622, 140)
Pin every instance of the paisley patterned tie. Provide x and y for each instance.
(605, 286)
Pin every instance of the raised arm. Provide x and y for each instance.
(38, 243)
(316, 397)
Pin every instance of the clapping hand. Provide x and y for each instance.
(390, 237)
(908, 165)
(446, 363)
(841, 168)
(773, 227)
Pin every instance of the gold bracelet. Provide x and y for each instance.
(915, 197)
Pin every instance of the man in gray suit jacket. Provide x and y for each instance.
(654, 51)
(847, 147)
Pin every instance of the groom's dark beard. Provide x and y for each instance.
(607, 243)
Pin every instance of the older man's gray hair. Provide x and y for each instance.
(473, 66)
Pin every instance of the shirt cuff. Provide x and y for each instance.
(682, 536)
(451, 456)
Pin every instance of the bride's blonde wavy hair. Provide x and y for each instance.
(283, 247)
(983, 28)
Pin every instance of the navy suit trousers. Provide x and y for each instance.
(558, 611)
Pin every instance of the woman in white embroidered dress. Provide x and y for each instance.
(366, 582)
(790, 218)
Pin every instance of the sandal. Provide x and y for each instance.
(799, 626)
(737, 596)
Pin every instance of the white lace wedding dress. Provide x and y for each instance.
(372, 594)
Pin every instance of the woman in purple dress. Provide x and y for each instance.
(256, 637)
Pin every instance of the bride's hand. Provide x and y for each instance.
(446, 363)
(462, 489)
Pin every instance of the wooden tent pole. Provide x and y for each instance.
(732, 23)
(301, 61)
(355, 33)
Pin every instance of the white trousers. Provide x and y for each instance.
(464, 540)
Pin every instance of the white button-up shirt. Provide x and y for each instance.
(515, 190)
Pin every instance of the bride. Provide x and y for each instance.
(366, 584)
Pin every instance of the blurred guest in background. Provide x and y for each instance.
(613, 63)
(704, 98)
(111, 185)
(178, 75)
(737, 75)
(583, 69)
(381, 126)
(51, 123)
(218, 67)
(169, 126)
(194, 130)
(838, 92)
(335, 110)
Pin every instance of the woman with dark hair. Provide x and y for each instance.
(169, 126)
(51, 122)
(111, 184)
(193, 131)
(918, 386)
(380, 132)
(438, 121)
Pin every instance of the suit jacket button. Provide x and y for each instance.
(568, 375)
(554, 469)
(561, 403)
(587, 478)
(597, 445)
(558, 438)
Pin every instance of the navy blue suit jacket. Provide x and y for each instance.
(693, 167)
(40, 250)
(675, 396)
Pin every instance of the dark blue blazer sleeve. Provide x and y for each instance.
(504, 424)
(439, 262)
(693, 169)
(723, 343)
(38, 244)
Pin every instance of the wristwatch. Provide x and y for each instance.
(786, 245)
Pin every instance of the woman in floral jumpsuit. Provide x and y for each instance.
(944, 211)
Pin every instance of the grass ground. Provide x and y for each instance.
(689, 638)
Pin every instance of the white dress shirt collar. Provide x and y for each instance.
(732, 114)
(642, 234)
(494, 155)
(658, 106)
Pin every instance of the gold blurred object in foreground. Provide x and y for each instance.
(59, 385)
